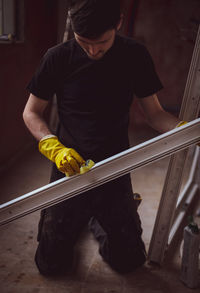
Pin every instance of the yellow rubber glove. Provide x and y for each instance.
(85, 167)
(181, 123)
(66, 159)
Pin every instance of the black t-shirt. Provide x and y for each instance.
(94, 96)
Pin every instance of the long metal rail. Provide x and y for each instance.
(104, 171)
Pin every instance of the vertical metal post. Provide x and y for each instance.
(54, 120)
(189, 111)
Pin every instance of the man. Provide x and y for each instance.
(94, 77)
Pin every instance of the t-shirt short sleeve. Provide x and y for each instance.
(146, 80)
(44, 81)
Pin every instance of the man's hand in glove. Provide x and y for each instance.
(181, 123)
(66, 159)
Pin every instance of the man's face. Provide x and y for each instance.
(96, 48)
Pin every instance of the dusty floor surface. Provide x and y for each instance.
(18, 273)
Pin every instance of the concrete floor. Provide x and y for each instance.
(18, 272)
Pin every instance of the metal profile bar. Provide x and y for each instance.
(187, 195)
(104, 171)
(191, 192)
(167, 206)
(53, 121)
(191, 180)
(189, 111)
(191, 99)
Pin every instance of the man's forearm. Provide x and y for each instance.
(164, 121)
(36, 125)
(156, 116)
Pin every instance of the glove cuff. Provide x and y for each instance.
(47, 136)
(50, 146)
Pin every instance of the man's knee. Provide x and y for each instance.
(128, 263)
(123, 259)
(53, 261)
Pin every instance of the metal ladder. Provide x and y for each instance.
(162, 235)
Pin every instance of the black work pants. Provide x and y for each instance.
(112, 215)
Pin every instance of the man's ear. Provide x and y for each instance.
(120, 22)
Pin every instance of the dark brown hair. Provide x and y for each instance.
(92, 18)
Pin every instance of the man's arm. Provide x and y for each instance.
(156, 116)
(33, 117)
(66, 159)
